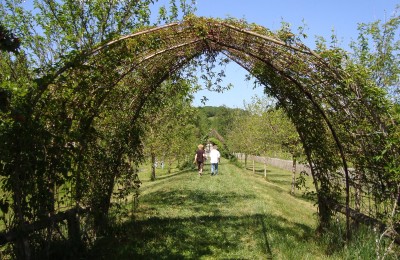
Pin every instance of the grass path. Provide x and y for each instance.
(234, 215)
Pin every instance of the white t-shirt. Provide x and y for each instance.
(214, 156)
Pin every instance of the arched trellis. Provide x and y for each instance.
(340, 118)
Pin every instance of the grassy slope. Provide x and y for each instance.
(235, 215)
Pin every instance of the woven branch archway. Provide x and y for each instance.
(342, 119)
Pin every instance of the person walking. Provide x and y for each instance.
(199, 158)
(215, 158)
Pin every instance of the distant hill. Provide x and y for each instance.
(217, 118)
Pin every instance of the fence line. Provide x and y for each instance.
(275, 162)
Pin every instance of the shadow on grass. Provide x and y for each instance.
(282, 183)
(195, 237)
(257, 170)
(169, 175)
(208, 202)
(197, 229)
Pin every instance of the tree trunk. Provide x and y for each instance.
(153, 167)
(74, 236)
(265, 167)
(293, 174)
(22, 244)
(324, 211)
(357, 195)
(102, 196)
(102, 205)
(169, 165)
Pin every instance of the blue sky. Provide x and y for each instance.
(320, 16)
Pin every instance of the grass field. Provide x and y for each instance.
(237, 214)
(234, 215)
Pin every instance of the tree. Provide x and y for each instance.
(240, 138)
(375, 57)
(169, 136)
(268, 130)
(61, 120)
(8, 41)
(378, 49)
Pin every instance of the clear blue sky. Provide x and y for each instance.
(321, 17)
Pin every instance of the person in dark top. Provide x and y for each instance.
(199, 158)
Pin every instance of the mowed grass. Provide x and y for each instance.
(234, 215)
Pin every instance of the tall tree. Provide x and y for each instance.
(169, 137)
(378, 49)
(265, 130)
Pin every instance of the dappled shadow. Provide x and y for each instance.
(280, 179)
(267, 247)
(194, 237)
(280, 182)
(205, 201)
(205, 229)
(280, 176)
(169, 175)
(257, 170)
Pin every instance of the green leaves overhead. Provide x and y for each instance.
(8, 41)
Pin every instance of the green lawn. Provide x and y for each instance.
(235, 215)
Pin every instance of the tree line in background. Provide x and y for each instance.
(258, 129)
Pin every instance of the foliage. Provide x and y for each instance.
(218, 118)
(378, 49)
(168, 137)
(266, 129)
(222, 148)
(362, 245)
(375, 59)
(62, 127)
(212, 121)
(186, 165)
(8, 41)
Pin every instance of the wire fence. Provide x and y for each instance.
(276, 162)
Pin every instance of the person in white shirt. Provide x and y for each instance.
(214, 160)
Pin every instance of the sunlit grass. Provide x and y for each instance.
(235, 215)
